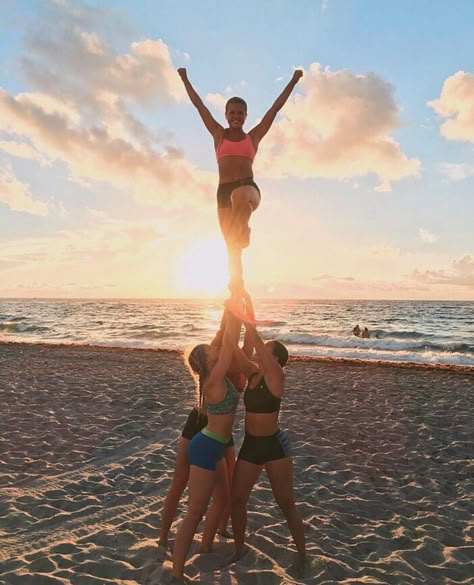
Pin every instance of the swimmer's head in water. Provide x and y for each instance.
(279, 351)
(237, 101)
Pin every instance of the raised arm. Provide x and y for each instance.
(272, 371)
(219, 336)
(229, 343)
(247, 346)
(263, 126)
(211, 124)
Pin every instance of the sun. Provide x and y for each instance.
(203, 270)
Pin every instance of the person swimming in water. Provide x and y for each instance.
(237, 195)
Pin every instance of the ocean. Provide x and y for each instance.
(428, 332)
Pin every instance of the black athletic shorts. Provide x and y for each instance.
(224, 191)
(261, 450)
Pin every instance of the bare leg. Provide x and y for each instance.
(225, 221)
(245, 476)
(236, 284)
(280, 474)
(230, 460)
(201, 482)
(177, 487)
(245, 200)
(220, 498)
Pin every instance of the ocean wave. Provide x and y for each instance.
(395, 345)
(16, 326)
(416, 332)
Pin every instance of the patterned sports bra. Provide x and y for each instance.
(229, 404)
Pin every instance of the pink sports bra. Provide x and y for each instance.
(243, 147)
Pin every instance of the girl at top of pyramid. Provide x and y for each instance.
(237, 195)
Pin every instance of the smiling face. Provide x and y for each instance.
(236, 114)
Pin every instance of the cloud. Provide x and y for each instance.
(67, 51)
(457, 172)
(83, 104)
(330, 277)
(460, 274)
(426, 236)
(339, 128)
(102, 241)
(22, 150)
(17, 195)
(456, 103)
(217, 100)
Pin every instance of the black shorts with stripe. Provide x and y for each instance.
(261, 450)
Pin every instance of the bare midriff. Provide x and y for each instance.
(261, 424)
(234, 168)
(221, 424)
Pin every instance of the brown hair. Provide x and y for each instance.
(280, 352)
(198, 363)
(236, 100)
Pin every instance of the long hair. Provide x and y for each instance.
(198, 364)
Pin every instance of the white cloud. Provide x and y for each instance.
(457, 172)
(456, 104)
(426, 236)
(340, 128)
(22, 150)
(82, 110)
(217, 100)
(17, 195)
(461, 273)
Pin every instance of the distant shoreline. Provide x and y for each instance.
(292, 358)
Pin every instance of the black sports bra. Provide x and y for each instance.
(260, 399)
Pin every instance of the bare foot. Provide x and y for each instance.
(238, 555)
(177, 580)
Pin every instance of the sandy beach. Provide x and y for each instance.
(384, 474)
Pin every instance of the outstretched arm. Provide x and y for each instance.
(247, 346)
(219, 336)
(229, 343)
(273, 372)
(211, 124)
(263, 127)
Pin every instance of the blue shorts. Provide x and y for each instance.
(195, 423)
(205, 452)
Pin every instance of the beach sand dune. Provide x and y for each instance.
(384, 473)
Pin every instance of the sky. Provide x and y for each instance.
(108, 177)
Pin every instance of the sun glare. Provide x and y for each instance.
(202, 269)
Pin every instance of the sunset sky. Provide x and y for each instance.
(108, 176)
